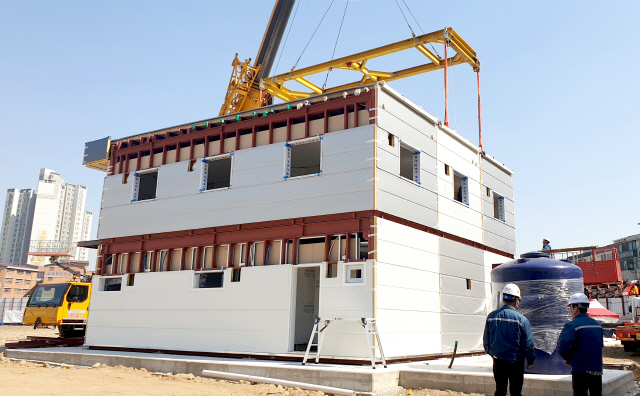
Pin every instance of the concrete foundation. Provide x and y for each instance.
(468, 374)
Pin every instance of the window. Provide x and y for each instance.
(8, 280)
(210, 280)
(9, 271)
(50, 278)
(461, 188)
(216, 173)
(144, 186)
(498, 206)
(409, 163)
(355, 273)
(235, 275)
(302, 158)
(48, 295)
(131, 279)
(392, 140)
(27, 283)
(78, 293)
(7, 290)
(332, 270)
(18, 281)
(488, 192)
(19, 272)
(16, 291)
(162, 263)
(446, 170)
(112, 284)
(468, 284)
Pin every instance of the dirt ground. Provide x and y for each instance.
(616, 354)
(21, 378)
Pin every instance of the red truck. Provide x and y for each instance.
(600, 269)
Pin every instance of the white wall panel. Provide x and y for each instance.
(467, 342)
(407, 256)
(258, 165)
(462, 269)
(407, 189)
(493, 170)
(405, 209)
(245, 316)
(465, 305)
(461, 251)
(402, 276)
(458, 287)
(115, 192)
(500, 243)
(500, 228)
(458, 163)
(391, 231)
(499, 187)
(388, 161)
(176, 181)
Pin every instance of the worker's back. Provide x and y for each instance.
(507, 335)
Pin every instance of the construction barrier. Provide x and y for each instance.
(12, 309)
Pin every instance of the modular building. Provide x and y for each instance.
(231, 235)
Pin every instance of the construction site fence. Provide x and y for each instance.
(12, 309)
(616, 305)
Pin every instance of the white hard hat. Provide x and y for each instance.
(511, 290)
(578, 298)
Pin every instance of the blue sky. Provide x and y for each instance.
(560, 92)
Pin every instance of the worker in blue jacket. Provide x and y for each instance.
(580, 345)
(509, 341)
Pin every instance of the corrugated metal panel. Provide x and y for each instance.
(506, 190)
(491, 169)
(460, 251)
(500, 243)
(462, 269)
(405, 209)
(500, 228)
(454, 286)
(453, 145)
(306, 196)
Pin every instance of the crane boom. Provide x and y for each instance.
(243, 92)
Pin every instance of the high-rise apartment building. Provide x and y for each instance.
(54, 215)
(16, 226)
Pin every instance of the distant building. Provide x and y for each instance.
(629, 259)
(16, 225)
(55, 274)
(54, 215)
(16, 281)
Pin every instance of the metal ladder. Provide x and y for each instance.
(370, 328)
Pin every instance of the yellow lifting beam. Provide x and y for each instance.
(464, 54)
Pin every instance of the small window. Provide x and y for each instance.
(235, 275)
(78, 293)
(446, 170)
(355, 273)
(210, 280)
(125, 178)
(131, 279)
(332, 270)
(191, 165)
(498, 206)
(392, 140)
(216, 173)
(468, 284)
(461, 188)
(145, 186)
(162, 264)
(488, 192)
(302, 159)
(409, 163)
(112, 284)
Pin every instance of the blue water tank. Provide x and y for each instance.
(545, 285)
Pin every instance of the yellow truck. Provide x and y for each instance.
(64, 304)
